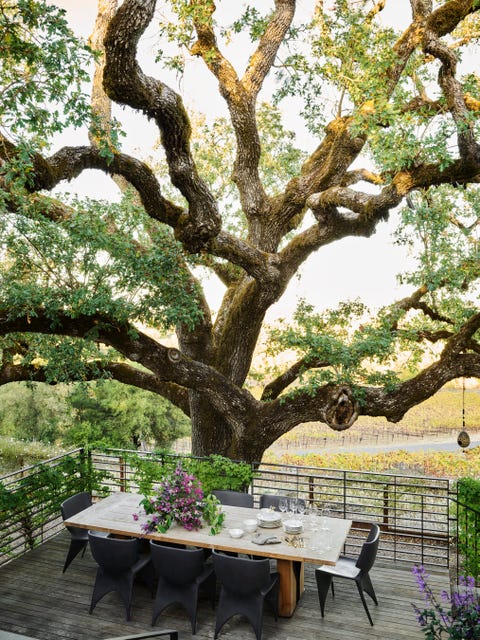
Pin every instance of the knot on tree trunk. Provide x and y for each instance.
(341, 410)
(174, 355)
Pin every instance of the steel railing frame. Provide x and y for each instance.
(418, 516)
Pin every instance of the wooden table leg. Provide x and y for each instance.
(290, 588)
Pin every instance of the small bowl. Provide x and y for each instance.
(235, 533)
(250, 525)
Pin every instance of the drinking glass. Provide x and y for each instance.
(313, 516)
(283, 505)
(301, 508)
(324, 522)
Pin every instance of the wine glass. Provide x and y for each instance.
(325, 515)
(301, 506)
(283, 504)
(292, 506)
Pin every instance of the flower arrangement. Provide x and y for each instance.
(458, 616)
(179, 498)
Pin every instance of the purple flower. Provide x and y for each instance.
(458, 615)
(178, 497)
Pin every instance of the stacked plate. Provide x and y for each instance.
(293, 527)
(269, 519)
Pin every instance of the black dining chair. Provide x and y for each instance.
(78, 537)
(234, 498)
(356, 569)
(245, 585)
(181, 574)
(272, 501)
(119, 563)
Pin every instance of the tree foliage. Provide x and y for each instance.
(90, 289)
(107, 414)
(95, 414)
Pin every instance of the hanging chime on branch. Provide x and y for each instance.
(463, 439)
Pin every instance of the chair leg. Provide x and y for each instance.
(209, 586)
(324, 580)
(360, 591)
(368, 587)
(272, 598)
(74, 549)
(104, 583)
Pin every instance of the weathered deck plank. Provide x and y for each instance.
(37, 600)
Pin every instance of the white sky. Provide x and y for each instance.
(351, 268)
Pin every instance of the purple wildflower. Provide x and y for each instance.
(458, 615)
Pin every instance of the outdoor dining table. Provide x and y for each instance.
(319, 543)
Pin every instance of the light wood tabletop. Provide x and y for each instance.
(320, 542)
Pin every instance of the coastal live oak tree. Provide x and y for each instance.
(89, 287)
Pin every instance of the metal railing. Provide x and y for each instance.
(420, 517)
(412, 511)
(30, 500)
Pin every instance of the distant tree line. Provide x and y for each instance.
(94, 414)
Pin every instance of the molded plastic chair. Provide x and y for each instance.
(245, 586)
(119, 562)
(234, 498)
(352, 569)
(79, 537)
(271, 501)
(181, 574)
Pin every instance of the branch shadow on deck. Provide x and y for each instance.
(37, 600)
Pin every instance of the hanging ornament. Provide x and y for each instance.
(463, 439)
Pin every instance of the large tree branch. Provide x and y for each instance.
(259, 264)
(370, 209)
(119, 371)
(70, 162)
(326, 166)
(274, 388)
(125, 83)
(262, 60)
(280, 415)
(123, 372)
(241, 95)
(441, 22)
(167, 364)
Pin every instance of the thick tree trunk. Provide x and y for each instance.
(210, 432)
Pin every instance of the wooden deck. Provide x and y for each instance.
(37, 600)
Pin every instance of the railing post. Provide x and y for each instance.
(311, 489)
(386, 507)
(422, 527)
(122, 474)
